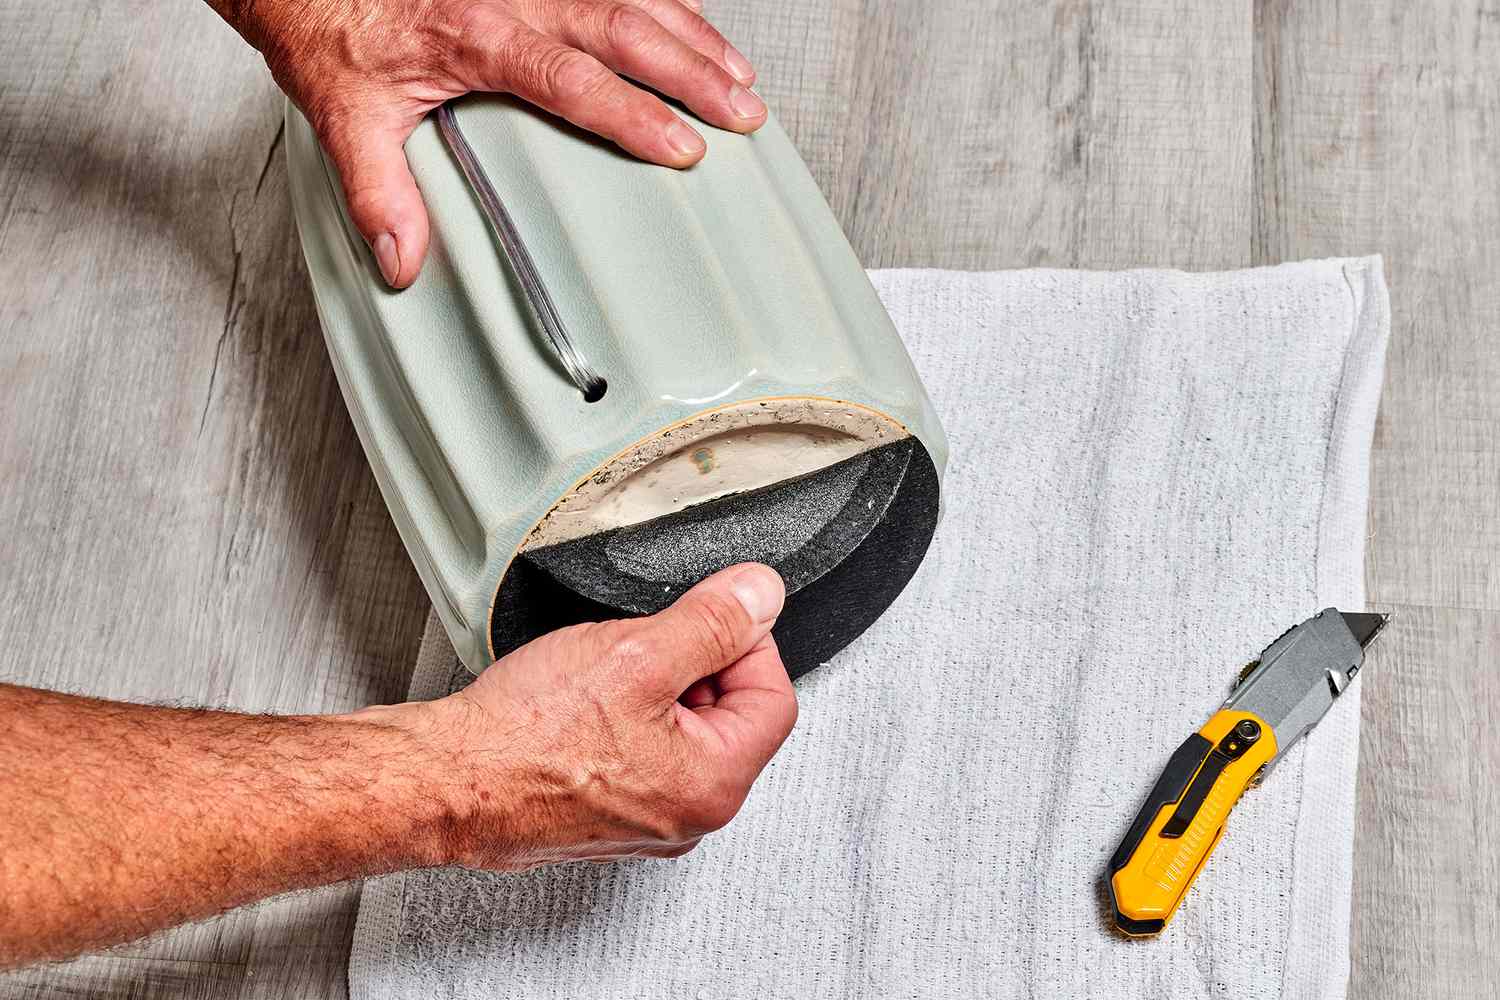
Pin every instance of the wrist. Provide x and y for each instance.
(244, 16)
(417, 817)
(271, 26)
(456, 798)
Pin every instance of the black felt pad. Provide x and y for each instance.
(845, 539)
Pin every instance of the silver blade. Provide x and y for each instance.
(1364, 626)
(1302, 673)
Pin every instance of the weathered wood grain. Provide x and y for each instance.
(985, 133)
(1379, 130)
(185, 514)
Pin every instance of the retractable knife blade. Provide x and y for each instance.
(1273, 704)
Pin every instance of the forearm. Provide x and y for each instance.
(119, 820)
(620, 739)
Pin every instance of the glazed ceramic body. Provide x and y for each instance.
(691, 291)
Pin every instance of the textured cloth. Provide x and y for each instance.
(1152, 475)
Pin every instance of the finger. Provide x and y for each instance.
(676, 850)
(701, 693)
(683, 20)
(381, 194)
(754, 712)
(633, 43)
(696, 6)
(712, 625)
(505, 55)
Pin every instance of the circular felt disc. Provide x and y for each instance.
(845, 538)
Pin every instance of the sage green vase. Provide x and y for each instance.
(759, 403)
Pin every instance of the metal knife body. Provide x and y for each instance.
(1276, 700)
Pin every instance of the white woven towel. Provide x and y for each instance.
(1153, 474)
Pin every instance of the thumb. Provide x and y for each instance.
(714, 624)
(382, 196)
(749, 712)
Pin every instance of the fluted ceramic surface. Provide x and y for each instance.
(688, 290)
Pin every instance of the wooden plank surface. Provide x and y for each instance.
(1379, 131)
(186, 516)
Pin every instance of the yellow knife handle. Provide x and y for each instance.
(1183, 819)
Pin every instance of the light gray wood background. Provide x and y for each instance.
(185, 514)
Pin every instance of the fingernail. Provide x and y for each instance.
(683, 139)
(388, 257)
(697, 5)
(745, 104)
(760, 592)
(738, 65)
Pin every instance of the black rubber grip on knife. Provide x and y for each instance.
(1192, 800)
(1168, 789)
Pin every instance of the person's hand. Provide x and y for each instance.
(365, 72)
(619, 739)
(596, 742)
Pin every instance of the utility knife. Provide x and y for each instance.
(1273, 704)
